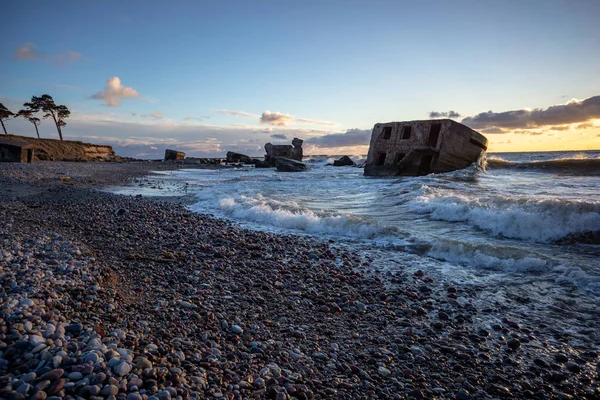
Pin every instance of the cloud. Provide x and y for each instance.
(114, 92)
(444, 114)
(527, 132)
(275, 118)
(279, 136)
(30, 52)
(238, 113)
(192, 119)
(493, 129)
(572, 112)
(314, 122)
(352, 137)
(559, 128)
(585, 125)
(157, 114)
(27, 52)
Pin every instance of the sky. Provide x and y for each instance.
(207, 77)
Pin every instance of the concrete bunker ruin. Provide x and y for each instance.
(415, 148)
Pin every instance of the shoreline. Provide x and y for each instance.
(147, 298)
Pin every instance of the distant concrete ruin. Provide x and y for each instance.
(415, 148)
(16, 151)
(173, 155)
(293, 151)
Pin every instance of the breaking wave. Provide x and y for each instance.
(582, 163)
(541, 221)
(289, 215)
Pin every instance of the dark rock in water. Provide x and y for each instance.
(572, 367)
(260, 163)
(514, 344)
(588, 237)
(289, 165)
(561, 358)
(238, 157)
(344, 161)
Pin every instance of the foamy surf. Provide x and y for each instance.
(290, 215)
(539, 220)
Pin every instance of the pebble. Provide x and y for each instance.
(237, 329)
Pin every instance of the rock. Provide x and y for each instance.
(561, 358)
(143, 363)
(344, 161)
(56, 386)
(35, 340)
(463, 395)
(91, 357)
(53, 374)
(572, 367)
(109, 390)
(289, 165)
(237, 329)
(382, 371)
(238, 157)
(261, 163)
(122, 368)
(513, 343)
(74, 328)
(75, 376)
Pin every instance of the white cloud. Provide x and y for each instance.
(114, 92)
(314, 122)
(238, 113)
(275, 118)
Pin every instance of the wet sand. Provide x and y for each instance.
(107, 296)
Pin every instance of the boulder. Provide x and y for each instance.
(172, 155)
(237, 157)
(344, 161)
(260, 163)
(289, 165)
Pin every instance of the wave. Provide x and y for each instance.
(581, 163)
(478, 255)
(542, 221)
(290, 215)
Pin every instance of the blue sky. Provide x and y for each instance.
(201, 74)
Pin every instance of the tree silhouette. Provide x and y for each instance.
(46, 104)
(29, 115)
(5, 113)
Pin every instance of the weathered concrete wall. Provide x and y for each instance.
(15, 153)
(293, 151)
(173, 155)
(421, 147)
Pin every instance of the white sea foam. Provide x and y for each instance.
(289, 215)
(528, 219)
(488, 257)
(577, 277)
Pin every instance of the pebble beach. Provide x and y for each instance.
(128, 297)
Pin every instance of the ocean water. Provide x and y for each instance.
(518, 227)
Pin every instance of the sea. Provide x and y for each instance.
(522, 230)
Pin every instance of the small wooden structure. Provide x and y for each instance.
(421, 147)
(16, 151)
